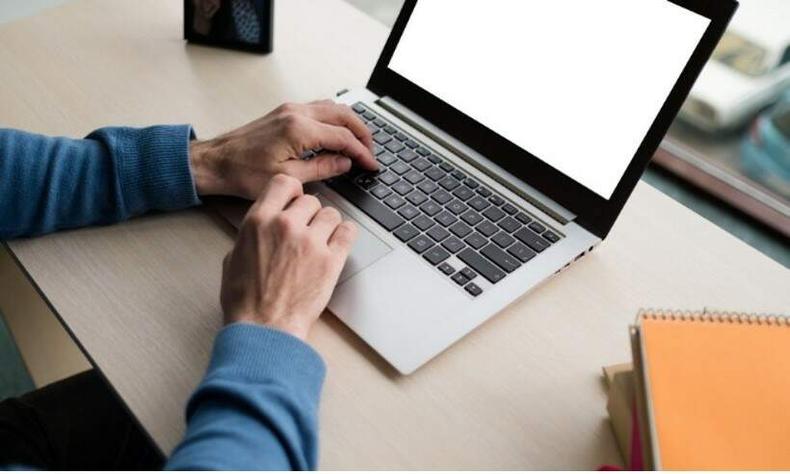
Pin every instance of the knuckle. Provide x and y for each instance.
(285, 181)
(286, 107)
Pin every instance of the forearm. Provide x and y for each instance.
(52, 183)
(257, 407)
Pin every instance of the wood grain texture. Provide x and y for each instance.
(523, 391)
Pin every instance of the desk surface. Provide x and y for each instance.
(523, 391)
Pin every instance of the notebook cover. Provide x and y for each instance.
(718, 390)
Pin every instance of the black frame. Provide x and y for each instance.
(267, 34)
(594, 213)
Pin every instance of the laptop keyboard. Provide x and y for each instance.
(439, 211)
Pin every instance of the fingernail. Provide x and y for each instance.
(343, 164)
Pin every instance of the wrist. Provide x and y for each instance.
(286, 325)
(204, 160)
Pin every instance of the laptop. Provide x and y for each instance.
(510, 135)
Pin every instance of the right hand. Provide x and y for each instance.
(287, 259)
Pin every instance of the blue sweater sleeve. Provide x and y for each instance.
(52, 183)
(257, 407)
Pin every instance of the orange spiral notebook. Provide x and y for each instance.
(714, 389)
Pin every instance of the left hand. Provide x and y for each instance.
(241, 162)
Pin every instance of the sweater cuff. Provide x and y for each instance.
(155, 171)
(259, 354)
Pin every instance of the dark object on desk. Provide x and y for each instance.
(238, 24)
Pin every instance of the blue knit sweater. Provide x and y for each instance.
(257, 406)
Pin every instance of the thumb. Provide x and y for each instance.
(324, 166)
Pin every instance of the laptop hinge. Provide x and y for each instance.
(485, 166)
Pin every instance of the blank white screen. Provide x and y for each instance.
(577, 83)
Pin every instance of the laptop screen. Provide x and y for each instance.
(576, 83)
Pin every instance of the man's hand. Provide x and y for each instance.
(287, 259)
(240, 163)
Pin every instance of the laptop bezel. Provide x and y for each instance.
(593, 212)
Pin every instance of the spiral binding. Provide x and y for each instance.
(713, 316)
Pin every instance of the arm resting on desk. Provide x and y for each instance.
(51, 183)
(257, 406)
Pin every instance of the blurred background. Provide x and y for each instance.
(726, 157)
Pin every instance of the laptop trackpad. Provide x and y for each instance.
(367, 249)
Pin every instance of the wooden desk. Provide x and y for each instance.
(523, 391)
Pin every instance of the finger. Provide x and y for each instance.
(325, 222)
(324, 166)
(303, 209)
(341, 115)
(343, 238)
(341, 140)
(279, 192)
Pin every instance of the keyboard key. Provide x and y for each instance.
(478, 204)
(379, 122)
(551, 236)
(493, 213)
(472, 183)
(533, 240)
(409, 212)
(458, 175)
(427, 186)
(407, 155)
(503, 260)
(460, 229)
(509, 209)
(423, 222)
(434, 159)
(523, 218)
(473, 289)
(460, 279)
(502, 239)
(400, 168)
(369, 115)
(446, 167)
(377, 149)
(394, 147)
(509, 224)
(411, 144)
(359, 108)
(366, 203)
(423, 151)
(496, 200)
(453, 245)
(537, 227)
(476, 241)
(431, 208)
(416, 198)
(468, 273)
(442, 197)
(485, 192)
(447, 269)
(436, 255)
(446, 219)
(456, 207)
(366, 181)
(521, 252)
(420, 244)
(402, 187)
(406, 233)
(487, 228)
(394, 201)
(390, 129)
(481, 265)
(372, 127)
(381, 192)
(449, 183)
(401, 136)
(438, 233)
(463, 193)
(422, 164)
(382, 138)
(388, 178)
(414, 177)
(471, 217)
(386, 159)
(435, 174)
